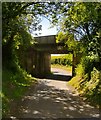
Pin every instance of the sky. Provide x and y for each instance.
(46, 30)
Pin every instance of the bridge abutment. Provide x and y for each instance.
(42, 64)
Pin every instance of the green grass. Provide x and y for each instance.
(14, 85)
(68, 56)
(67, 68)
(75, 82)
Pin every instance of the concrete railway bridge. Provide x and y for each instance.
(37, 60)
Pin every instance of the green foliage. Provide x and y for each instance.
(65, 60)
(94, 81)
(61, 37)
(79, 70)
(82, 19)
(92, 89)
(95, 46)
(77, 47)
(87, 80)
(66, 38)
(87, 64)
(75, 82)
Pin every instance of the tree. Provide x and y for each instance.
(19, 19)
(83, 20)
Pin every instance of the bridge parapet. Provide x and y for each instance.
(46, 39)
(48, 44)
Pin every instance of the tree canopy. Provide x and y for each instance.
(79, 21)
(83, 21)
(79, 25)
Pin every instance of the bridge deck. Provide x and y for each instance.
(58, 48)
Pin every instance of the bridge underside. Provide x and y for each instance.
(39, 58)
(52, 48)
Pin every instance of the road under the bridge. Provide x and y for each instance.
(51, 98)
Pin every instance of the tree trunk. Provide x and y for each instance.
(7, 50)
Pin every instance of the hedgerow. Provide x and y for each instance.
(62, 60)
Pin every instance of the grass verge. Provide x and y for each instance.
(14, 85)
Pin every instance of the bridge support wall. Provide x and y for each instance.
(42, 64)
(35, 63)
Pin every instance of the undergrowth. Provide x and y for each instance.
(14, 85)
(88, 83)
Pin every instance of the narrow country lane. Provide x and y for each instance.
(53, 98)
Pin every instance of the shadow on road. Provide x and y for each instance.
(55, 76)
(59, 74)
(44, 101)
(58, 77)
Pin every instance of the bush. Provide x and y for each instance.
(79, 70)
(92, 89)
(86, 66)
(62, 60)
